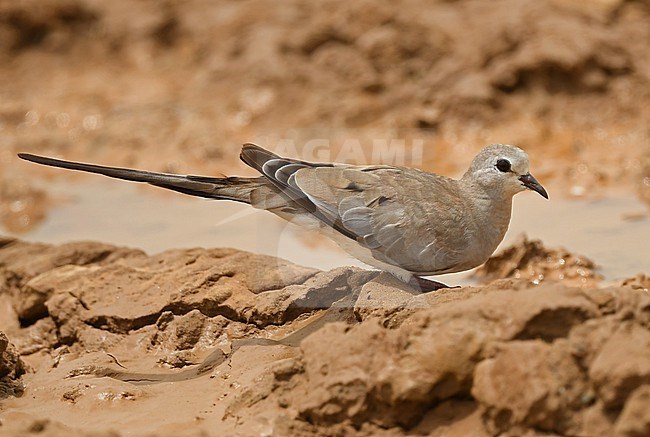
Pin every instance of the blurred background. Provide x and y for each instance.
(178, 86)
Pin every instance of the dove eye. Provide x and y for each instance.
(503, 165)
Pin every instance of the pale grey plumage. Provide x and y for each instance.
(403, 220)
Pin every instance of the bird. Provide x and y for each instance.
(405, 221)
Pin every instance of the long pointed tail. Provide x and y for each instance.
(229, 188)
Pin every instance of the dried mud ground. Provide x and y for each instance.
(223, 342)
(97, 339)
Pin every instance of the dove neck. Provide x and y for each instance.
(492, 212)
(482, 192)
(489, 201)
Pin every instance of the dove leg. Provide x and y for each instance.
(426, 285)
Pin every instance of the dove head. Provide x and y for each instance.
(502, 170)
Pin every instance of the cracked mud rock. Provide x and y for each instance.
(11, 369)
(247, 344)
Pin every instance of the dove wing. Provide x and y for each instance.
(387, 210)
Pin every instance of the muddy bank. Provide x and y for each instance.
(221, 341)
(103, 340)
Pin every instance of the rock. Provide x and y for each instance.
(10, 363)
(40, 336)
(182, 339)
(387, 298)
(125, 296)
(519, 361)
(318, 292)
(22, 262)
(639, 282)
(11, 368)
(523, 385)
(634, 420)
(185, 330)
(131, 291)
(530, 260)
(622, 364)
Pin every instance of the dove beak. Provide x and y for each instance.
(531, 183)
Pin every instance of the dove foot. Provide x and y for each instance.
(427, 285)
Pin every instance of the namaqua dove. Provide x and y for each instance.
(405, 221)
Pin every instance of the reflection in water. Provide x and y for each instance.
(125, 214)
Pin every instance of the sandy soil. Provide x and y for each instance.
(104, 340)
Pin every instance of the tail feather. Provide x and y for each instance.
(273, 191)
(237, 189)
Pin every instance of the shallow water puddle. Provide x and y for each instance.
(125, 214)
